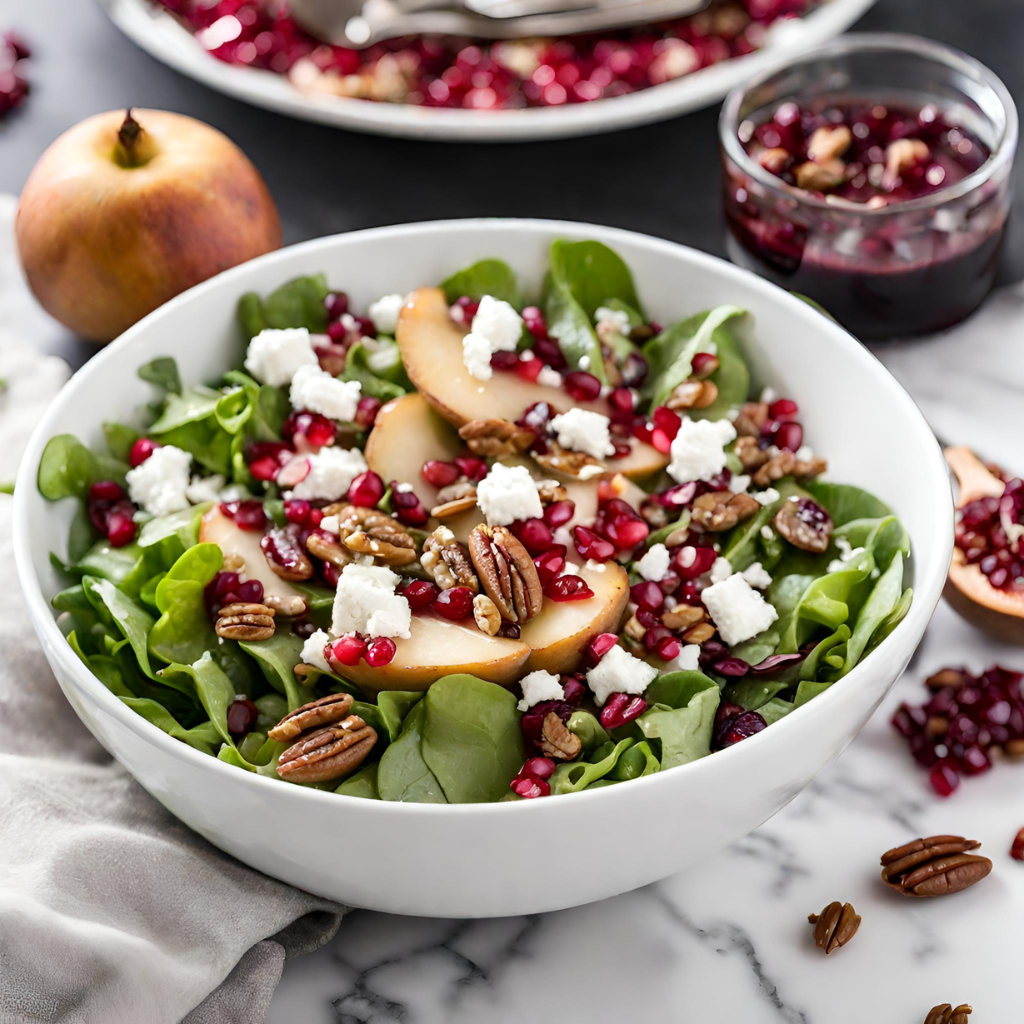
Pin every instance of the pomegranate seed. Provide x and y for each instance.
(589, 545)
(625, 533)
(661, 441)
(247, 515)
(468, 306)
(529, 369)
(703, 365)
(420, 593)
(943, 778)
(783, 408)
(440, 474)
(559, 513)
(634, 370)
(1017, 849)
(310, 428)
(141, 450)
(535, 323)
(366, 411)
(622, 708)
(241, 716)
(331, 575)
(380, 652)
(667, 420)
(550, 564)
(504, 360)
(336, 305)
(106, 490)
(530, 787)
(974, 760)
(120, 528)
(264, 470)
(598, 646)
(338, 333)
(470, 466)
(789, 435)
(297, 511)
(539, 767)
(347, 650)
(622, 401)
(409, 510)
(679, 496)
(647, 595)
(535, 535)
(655, 636)
(568, 588)
(250, 592)
(366, 490)
(582, 386)
(691, 562)
(669, 648)
(575, 690)
(455, 604)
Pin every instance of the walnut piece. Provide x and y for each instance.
(556, 741)
(241, 621)
(507, 572)
(722, 510)
(571, 463)
(693, 394)
(486, 614)
(829, 142)
(447, 561)
(820, 177)
(367, 531)
(496, 439)
(683, 616)
(752, 417)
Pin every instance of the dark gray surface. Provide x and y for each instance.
(662, 179)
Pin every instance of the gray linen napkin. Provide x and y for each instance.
(111, 910)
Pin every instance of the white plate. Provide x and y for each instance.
(166, 39)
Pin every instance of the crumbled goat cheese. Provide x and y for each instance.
(583, 431)
(332, 524)
(317, 390)
(738, 484)
(757, 576)
(698, 450)
(687, 556)
(331, 472)
(767, 532)
(738, 610)
(619, 672)
(805, 453)
(508, 493)
(721, 569)
(499, 323)
(538, 686)
(205, 488)
(384, 312)
(366, 603)
(766, 497)
(654, 565)
(476, 356)
(274, 356)
(687, 660)
(159, 485)
(610, 323)
(549, 378)
(313, 650)
(847, 555)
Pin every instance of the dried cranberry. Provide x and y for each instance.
(141, 450)
(421, 593)
(241, 716)
(776, 663)
(366, 490)
(568, 588)
(621, 708)
(440, 474)
(455, 604)
(247, 515)
(741, 727)
(380, 652)
(731, 668)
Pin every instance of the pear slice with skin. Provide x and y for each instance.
(430, 343)
(217, 528)
(1000, 613)
(436, 647)
(560, 632)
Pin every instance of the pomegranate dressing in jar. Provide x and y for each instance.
(874, 177)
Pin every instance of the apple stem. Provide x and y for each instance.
(129, 137)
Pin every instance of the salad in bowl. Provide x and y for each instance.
(469, 544)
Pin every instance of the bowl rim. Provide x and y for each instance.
(941, 54)
(55, 643)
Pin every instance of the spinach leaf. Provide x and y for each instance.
(216, 692)
(402, 773)
(845, 502)
(635, 762)
(880, 603)
(182, 527)
(203, 737)
(683, 734)
(823, 656)
(775, 709)
(394, 705)
(472, 741)
(162, 372)
(297, 303)
(575, 776)
(277, 657)
(590, 731)
(119, 438)
(808, 690)
(67, 469)
(752, 693)
(485, 277)
(384, 379)
(117, 608)
(108, 562)
(677, 689)
(569, 324)
(892, 620)
(362, 784)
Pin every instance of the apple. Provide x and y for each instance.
(431, 346)
(124, 211)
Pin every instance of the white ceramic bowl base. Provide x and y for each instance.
(492, 860)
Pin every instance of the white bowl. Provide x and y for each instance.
(509, 858)
(160, 34)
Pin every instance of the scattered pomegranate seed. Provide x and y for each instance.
(380, 652)
(589, 545)
(14, 86)
(421, 593)
(622, 402)
(247, 515)
(505, 360)
(783, 409)
(575, 690)
(366, 490)
(559, 513)
(1017, 849)
(409, 510)
(667, 420)
(621, 708)
(703, 365)
(241, 716)
(530, 787)
(440, 474)
(529, 368)
(141, 450)
(121, 529)
(568, 588)
(366, 411)
(347, 650)
(539, 767)
(535, 323)
(550, 563)
(308, 428)
(455, 604)
(582, 386)
(647, 595)
(788, 435)
(336, 305)
(472, 467)
(297, 511)
(669, 648)
(633, 370)
(250, 591)
(106, 490)
(943, 778)
(467, 308)
(691, 562)
(220, 591)
(267, 458)
(535, 535)
(536, 418)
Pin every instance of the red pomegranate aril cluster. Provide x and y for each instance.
(241, 716)
(532, 723)
(454, 604)
(990, 533)
(366, 490)
(350, 649)
(409, 510)
(966, 722)
(420, 593)
(267, 458)
(14, 87)
(302, 513)
(622, 708)
(111, 513)
(535, 535)
(229, 588)
(559, 513)
(247, 515)
(304, 429)
(568, 587)
(532, 780)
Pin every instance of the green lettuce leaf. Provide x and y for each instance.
(485, 277)
(402, 773)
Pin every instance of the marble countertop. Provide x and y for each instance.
(727, 942)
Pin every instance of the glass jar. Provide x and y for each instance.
(881, 268)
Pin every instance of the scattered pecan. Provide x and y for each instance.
(285, 555)
(752, 417)
(634, 629)
(323, 545)
(368, 531)
(805, 524)
(292, 606)
(953, 677)
(556, 741)
(486, 614)
(749, 452)
(722, 510)
(829, 142)
(328, 753)
(946, 1014)
(936, 866)
(315, 715)
(455, 498)
(819, 177)
(551, 491)
(700, 633)
(654, 513)
(232, 563)
(693, 394)
(780, 462)
(507, 572)
(835, 925)
(563, 460)
(242, 621)
(683, 616)
(447, 561)
(496, 439)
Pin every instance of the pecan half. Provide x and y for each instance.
(551, 491)
(368, 531)
(946, 1014)
(936, 866)
(447, 561)
(315, 715)
(954, 677)
(324, 546)
(693, 394)
(556, 741)
(700, 633)
(750, 453)
(292, 606)
(285, 555)
(507, 572)
(722, 510)
(835, 925)
(683, 616)
(496, 439)
(242, 621)
(563, 460)
(752, 417)
(486, 614)
(454, 507)
(328, 753)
